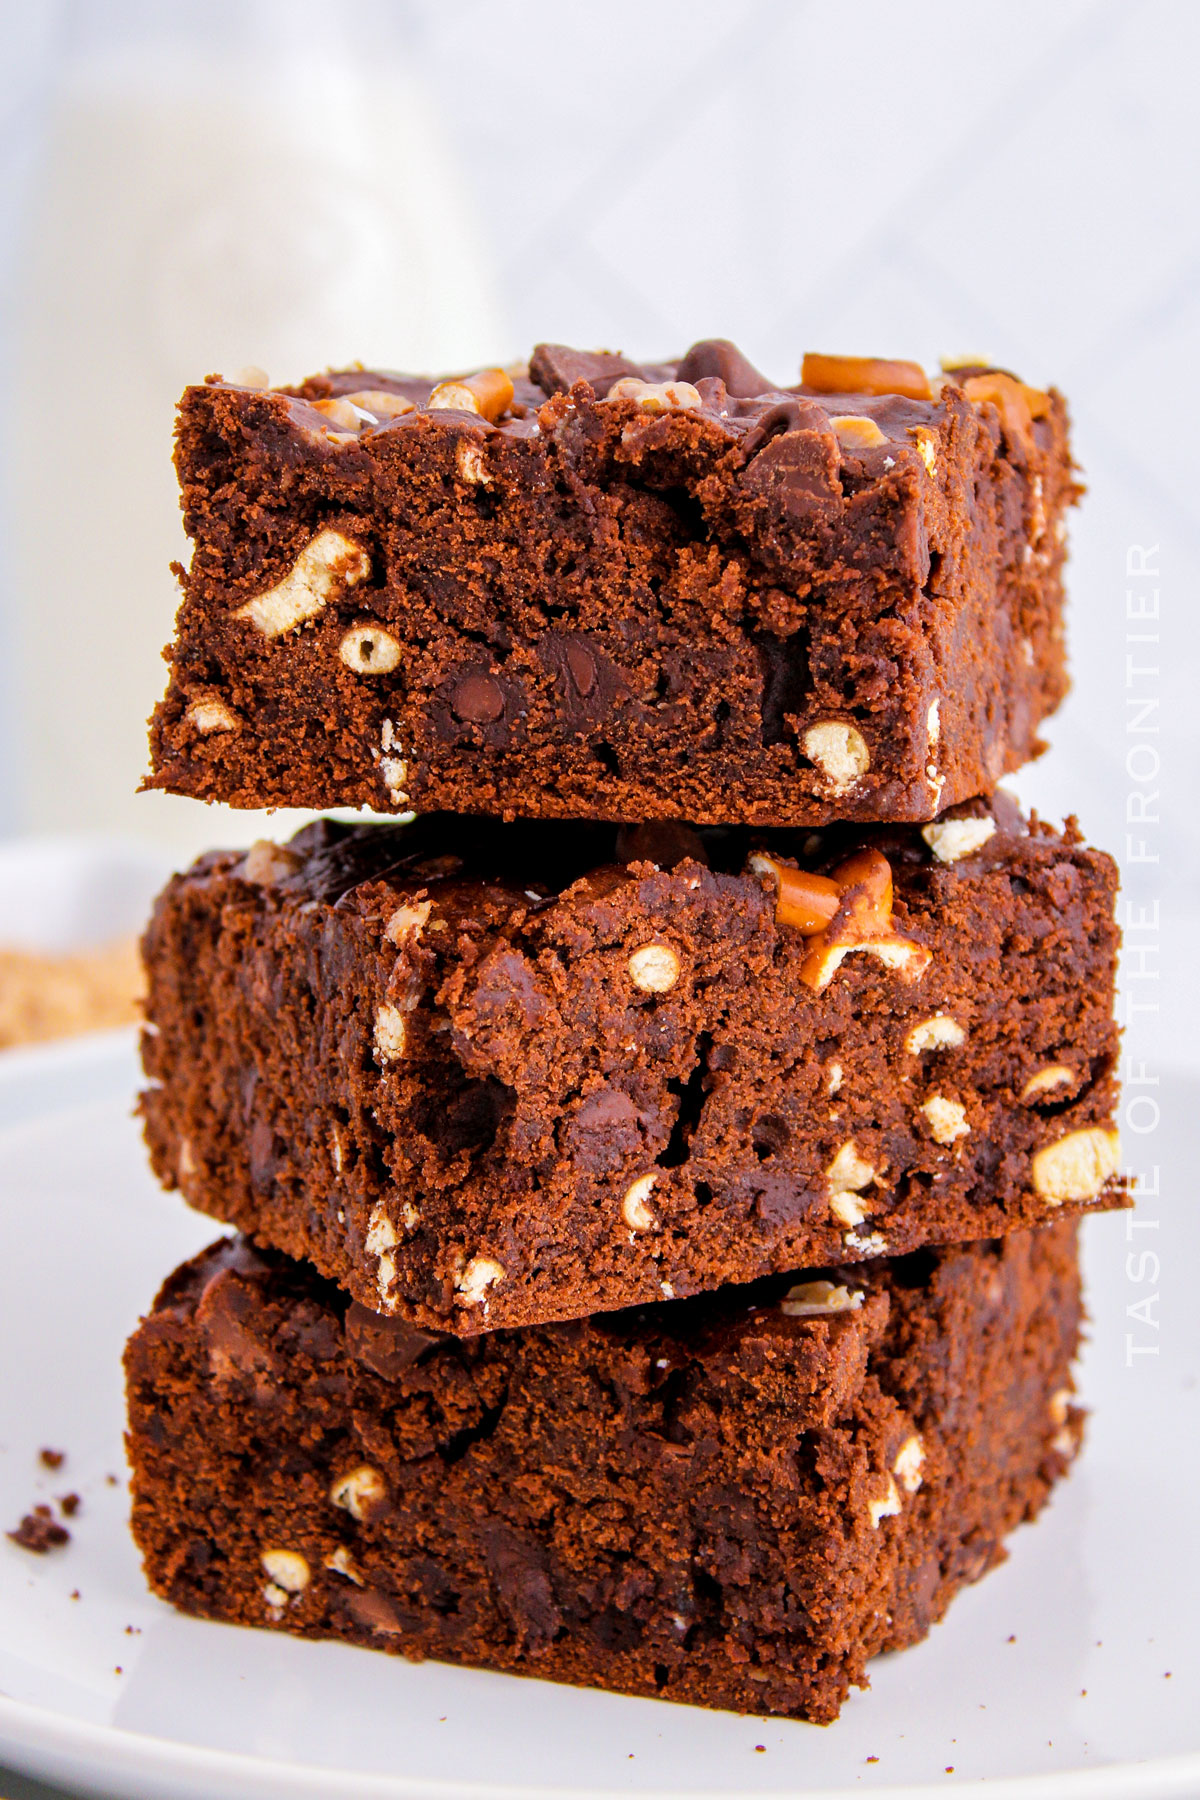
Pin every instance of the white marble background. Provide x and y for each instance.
(443, 181)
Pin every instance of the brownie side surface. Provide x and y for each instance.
(601, 604)
(734, 1501)
(494, 1075)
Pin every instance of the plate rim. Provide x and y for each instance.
(111, 1751)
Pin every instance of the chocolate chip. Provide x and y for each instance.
(589, 685)
(226, 1312)
(605, 1132)
(478, 700)
(798, 471)
(582, 665)
(556, 368)
(386, 1346)
(790, 415)
(717, 356)
(375, 1611)
(518, 1569)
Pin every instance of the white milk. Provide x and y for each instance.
(284, 203)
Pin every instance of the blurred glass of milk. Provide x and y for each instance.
(215, 186)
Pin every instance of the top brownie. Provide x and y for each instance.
(609, 590)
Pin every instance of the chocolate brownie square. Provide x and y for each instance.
(605, 590)
(735, 1500)
(484, 1074)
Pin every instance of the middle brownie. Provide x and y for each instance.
(488, 1075)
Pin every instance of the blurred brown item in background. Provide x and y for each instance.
(43, 997)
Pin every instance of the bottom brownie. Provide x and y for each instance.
(734, 1500)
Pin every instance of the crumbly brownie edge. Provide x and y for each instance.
(714, 1501)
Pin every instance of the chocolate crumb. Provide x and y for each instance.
(69, 1505)
(39, 1531)
(112, 1481)
(52, 1459)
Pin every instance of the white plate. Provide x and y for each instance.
(1070, 1671)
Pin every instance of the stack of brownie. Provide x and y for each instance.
(659, 1161)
